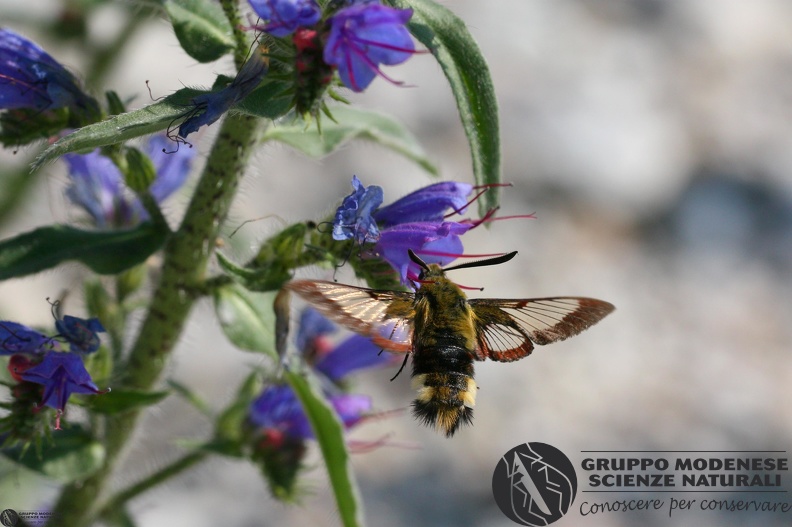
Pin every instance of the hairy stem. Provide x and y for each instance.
(231, 10)
(185, 259)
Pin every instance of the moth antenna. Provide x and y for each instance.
(414, 257)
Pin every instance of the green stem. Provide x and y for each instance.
(186, 256)
(163, 474)
(231, 10)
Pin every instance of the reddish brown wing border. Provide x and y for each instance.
(378, 314)
(508, 329)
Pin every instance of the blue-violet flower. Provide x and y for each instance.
(416, 222)
(97, 184)
(18, 338)
(285, 16)
(363, 36)
(277, 408)
(354, 218)
(209, 107)
(31, 78)
(80, 333)
(62, 374)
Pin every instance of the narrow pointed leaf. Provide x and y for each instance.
(156, 117)
(352, 123)
(105, 252)
(329, 433)
(201, 27)
(452, 45)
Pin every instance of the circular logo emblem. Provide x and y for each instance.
(534, 484)
(9, 518)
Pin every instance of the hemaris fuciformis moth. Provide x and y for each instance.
(445, 332)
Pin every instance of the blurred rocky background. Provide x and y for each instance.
(653, 140)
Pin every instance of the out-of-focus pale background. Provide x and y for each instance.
(653, 140)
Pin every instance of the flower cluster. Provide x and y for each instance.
(97, 185)
(282, 427)
(38, 359)
(354, 40)
(416, 221)
(357, 38)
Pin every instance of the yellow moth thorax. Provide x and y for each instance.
(442, 312)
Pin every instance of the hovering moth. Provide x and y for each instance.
(445, 332)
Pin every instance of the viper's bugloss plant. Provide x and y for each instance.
(141, 273)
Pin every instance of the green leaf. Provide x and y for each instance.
(329, 433)
(71, 455)
(261, 278)
(144, 121)
(352, 123)
(446, 36)
(105, 252)
(247, 318)
(201, 27)
(118, 401)
(270, 100)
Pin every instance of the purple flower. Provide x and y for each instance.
(62, 374)
(278, 409)
(285, 16)
(17, 338)
(354, 218)
(313, 328)
(438, 243)
(97, 184)
(209, 107)
(30, 78)
(415, 222)
(80, 333)
(430, 203)
(172, 167)
(363, 36)
(98, 187)
(335, 362)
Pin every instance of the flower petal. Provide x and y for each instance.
(429, 203)
(362, 37)
(354, 218)
(353, 354)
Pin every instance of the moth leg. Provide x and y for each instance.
(406, 356)
(388, 344)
